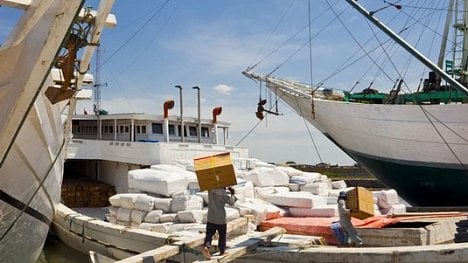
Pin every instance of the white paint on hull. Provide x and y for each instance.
(400, 132)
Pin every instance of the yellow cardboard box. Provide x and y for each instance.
(360, 202)
(215, 171)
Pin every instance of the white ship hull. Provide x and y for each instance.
(421, 150)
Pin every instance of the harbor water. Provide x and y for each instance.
(55, 251)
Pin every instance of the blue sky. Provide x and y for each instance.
(208, 43)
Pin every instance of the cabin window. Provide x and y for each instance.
(121, 129)
(111, 129)
(193, 131)
(205, 132)
(185, 131)
(127, 129)
(171, 129)
(143, 129)
(138, 129)
(106, 129)
(157, 128)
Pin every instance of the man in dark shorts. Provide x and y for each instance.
(216, 221)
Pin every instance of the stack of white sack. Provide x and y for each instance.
(160, 182)
(267, 176)
(389, 202)
(129, 209)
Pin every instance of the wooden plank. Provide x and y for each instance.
(78, 231)
(85, 245)
(244, 244)
(137, 240)
(437, 209)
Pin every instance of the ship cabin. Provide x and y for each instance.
(140, 127)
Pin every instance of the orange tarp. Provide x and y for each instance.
(320, 226)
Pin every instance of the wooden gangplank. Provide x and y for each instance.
(244, 244)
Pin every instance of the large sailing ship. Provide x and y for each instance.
(41, 73)
(414, 142)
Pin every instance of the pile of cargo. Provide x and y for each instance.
(168, 198)
(85, 193)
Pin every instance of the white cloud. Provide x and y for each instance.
(224, 89)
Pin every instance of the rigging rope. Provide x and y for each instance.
(271, 34)
(292, 37)
(136, 32)
(308, 130)
(357, 42)
(312, 108)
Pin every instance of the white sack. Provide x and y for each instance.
(305, 178)
(160, 182)
(341, 184)
(186, 202)
(324, 211)
(124, 200)
(171, 217)
(294, 187)
(144, 203)
(138, 216)
(163, 204)
(290, 171)
(264, 192)
(297, 199)
(113, 210)
(267, 176)
(394, 209)
(316, 188)
(192, 216)
(259, 211)
(281, 189)
(153, 216)
(386, 198)
(113, 219)
(246, 190)
(124, 214)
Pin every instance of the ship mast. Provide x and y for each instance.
(411, 49)
(443, 44)
(464, 30)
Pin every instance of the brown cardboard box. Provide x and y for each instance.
(215, 171)
(360, 202)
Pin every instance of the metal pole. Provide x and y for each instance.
(199, 118)
(181, 114)
(408, 47)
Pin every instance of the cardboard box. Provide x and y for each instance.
(215, 171)
(360, 202)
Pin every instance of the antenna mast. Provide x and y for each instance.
(97, 83)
